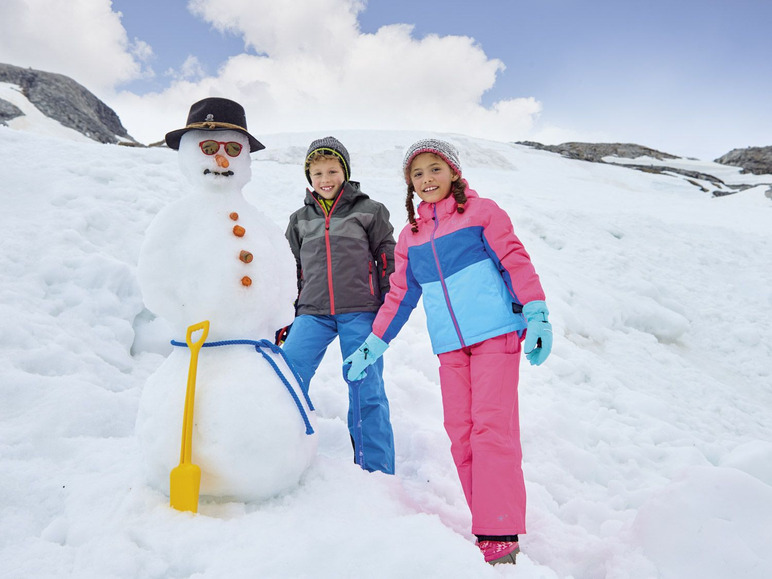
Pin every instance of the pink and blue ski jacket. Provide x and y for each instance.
(470, 267)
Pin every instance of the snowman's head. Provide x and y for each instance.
(216, 161)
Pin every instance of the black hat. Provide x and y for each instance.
(330, 146)
(215, 114)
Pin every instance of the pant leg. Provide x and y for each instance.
(488, 454)
(455, 382)
(306, 344)
(368, 416)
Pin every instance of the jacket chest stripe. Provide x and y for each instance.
(442, 280)
(328, 246)
(329, 267)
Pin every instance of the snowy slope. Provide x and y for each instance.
(647, 437)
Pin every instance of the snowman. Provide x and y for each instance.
(213, 256)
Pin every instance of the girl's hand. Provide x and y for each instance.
(365, 355)
(538, 335)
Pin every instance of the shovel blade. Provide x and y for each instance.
(184, 485)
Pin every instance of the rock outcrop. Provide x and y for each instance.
(755, 160)
(64, 100)
(595, 152)
(8, 111)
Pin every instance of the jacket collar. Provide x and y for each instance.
(350, 192)
(444, 207)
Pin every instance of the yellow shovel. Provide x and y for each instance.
(185, 479)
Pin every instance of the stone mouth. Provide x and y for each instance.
(223, 174)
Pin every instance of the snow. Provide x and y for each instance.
(726, 174)
(646, 434)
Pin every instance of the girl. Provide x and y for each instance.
(481, 296)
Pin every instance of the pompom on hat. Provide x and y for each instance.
(442, 149)
(333, 147)
(214, 114)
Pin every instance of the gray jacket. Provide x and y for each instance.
(345, 258)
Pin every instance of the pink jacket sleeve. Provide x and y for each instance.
(509, 255)
(403, 295)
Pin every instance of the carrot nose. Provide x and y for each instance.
(221, 161)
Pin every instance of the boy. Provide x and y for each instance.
(343, 244)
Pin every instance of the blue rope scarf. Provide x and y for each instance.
(259, 345)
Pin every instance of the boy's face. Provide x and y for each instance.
(431, 177)
(326, 177)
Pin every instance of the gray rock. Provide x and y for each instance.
(595, 152)
(8, 111)
(64, 100)
(761, 159)
(755, 160)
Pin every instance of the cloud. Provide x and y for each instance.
(191, 69)
(81, 39)
(141, 50)
(314, 69)
(308, 68)
(324, 27)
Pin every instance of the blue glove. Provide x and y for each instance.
(538, 335)
(365, 355)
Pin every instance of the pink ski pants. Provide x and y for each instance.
(479, 398)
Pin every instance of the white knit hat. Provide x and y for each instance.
(443, 149)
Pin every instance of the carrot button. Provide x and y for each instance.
(234, 216)
(245, 256)
(246, 281)
(239, 231)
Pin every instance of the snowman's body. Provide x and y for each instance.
(213, 256)
(190, 268)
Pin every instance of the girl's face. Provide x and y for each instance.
(326, 177)
(431, 177)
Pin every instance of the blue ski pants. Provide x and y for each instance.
(368, 411)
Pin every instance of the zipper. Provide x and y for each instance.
(328, 245)
(359, 446)
(384, 265)
(370, 277)
(442, 279)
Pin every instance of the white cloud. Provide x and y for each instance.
(316, 70)
(192, 69)
(141, 50)
(324, 27)
(83, 39)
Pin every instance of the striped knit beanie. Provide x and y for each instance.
(330, 146)
(443, 149)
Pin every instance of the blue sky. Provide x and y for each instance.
(689, 77)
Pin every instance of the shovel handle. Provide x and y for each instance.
(194, 328)
(190, 393)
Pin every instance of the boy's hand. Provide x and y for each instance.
(538, 335)
(281, 335)
(365, 355)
